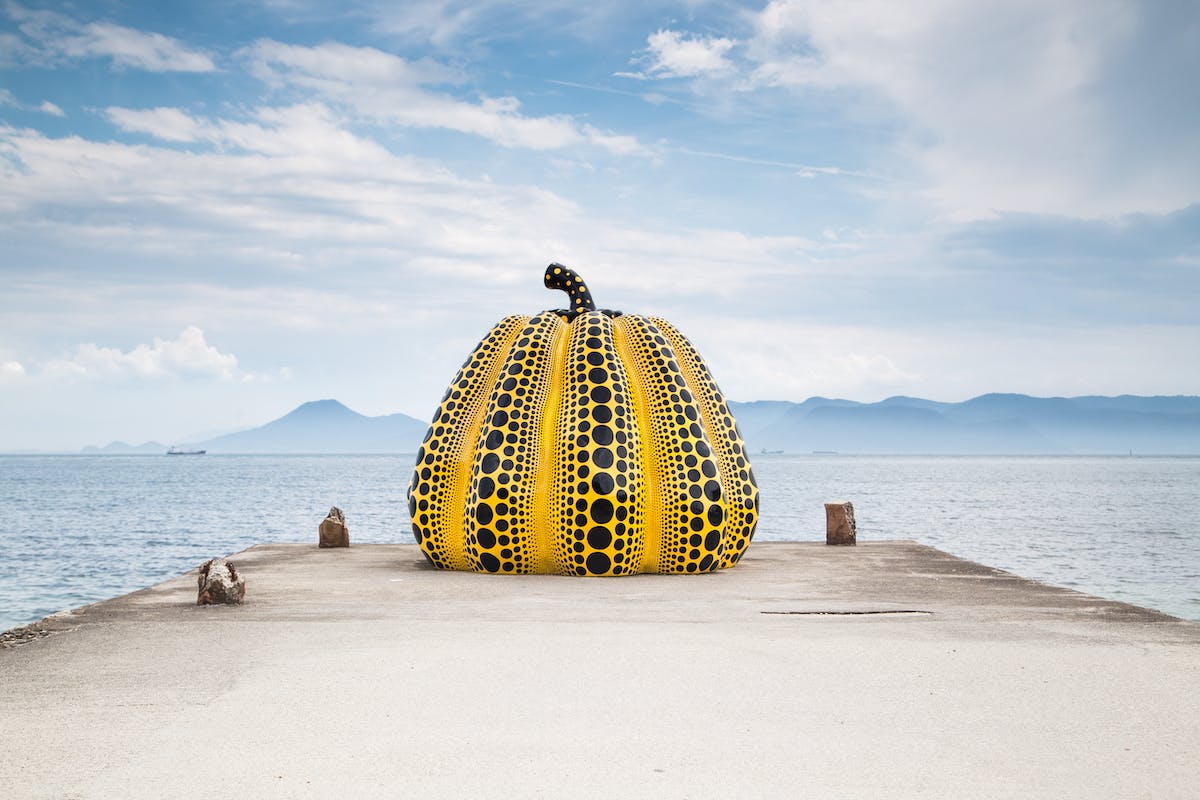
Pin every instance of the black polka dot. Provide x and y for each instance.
(602, 510)
(599, 537)
(602, 483)
(490, 463)
(486, 487)
(598, 563)
(603, 458)
(489, 562)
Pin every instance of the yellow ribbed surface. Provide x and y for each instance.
(502, 499)
(639, 400)
(437, 492)
(690, 497)
(599, 501)
(548, 500)
(737, 477)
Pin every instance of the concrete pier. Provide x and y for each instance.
(886, 670)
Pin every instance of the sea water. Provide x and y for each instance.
(77, 529)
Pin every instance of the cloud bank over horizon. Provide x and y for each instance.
(206, 225)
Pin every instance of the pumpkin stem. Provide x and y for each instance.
(567, 280)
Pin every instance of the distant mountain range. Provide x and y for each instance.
(324, 426)
(319, 426)
(125, 449)
(997, 424)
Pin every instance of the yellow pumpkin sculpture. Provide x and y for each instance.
(583, 442)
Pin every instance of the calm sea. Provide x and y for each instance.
(76, 529)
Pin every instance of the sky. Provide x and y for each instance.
(213, 212)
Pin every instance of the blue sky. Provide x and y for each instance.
(212, 212)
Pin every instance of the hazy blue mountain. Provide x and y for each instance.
(324, 426)
(992, 423)
(760, 414)
(123, 449)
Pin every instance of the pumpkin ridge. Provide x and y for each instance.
(639, 402)
(544, 556)
(737, 476)
(500, 508)
(691, 497)
(600, 506)
(437, 492)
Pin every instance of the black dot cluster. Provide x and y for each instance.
(499, 513)
(691, 496)
(736, 473)
(435, 489)
(598, 483)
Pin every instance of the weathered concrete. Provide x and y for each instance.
(361, 672)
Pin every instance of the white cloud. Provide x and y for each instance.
(46, 107)
(11, 370)
(676, 55)
(291, 196)
(382, 87)
(755, 359)
(1007, 106)
(168, 124)
(132, 48)
(51, 37)
(188, 355)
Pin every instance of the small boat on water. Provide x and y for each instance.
(175, 451)
(767, 452)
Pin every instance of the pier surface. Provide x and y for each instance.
(889, 669)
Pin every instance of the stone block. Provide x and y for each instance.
(333, 531)
(219, 583)
(839, 523)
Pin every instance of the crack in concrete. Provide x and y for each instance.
(849, 613)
